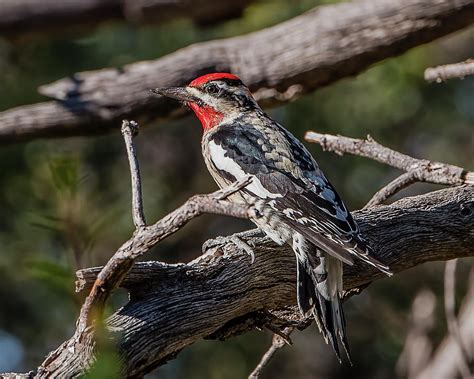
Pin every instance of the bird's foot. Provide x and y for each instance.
(242, 245)
(217, 246)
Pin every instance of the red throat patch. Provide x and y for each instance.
(208, 116)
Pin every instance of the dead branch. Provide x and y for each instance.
(21, 17)
(277, 343)
(173, 306)
(421, 170)
(366, 148)
(129, 130)
(396, 185)
(313, 50)
(412, 357)
(178, 302)
(456, 70)
(82, 343)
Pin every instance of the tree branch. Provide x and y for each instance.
(82, 344)
(129, 130)
(277, 343)
(21, 17)
(178, 302)
(450, 71)
(392, 188)
(77, 355)
(417, 169)
(313, 50)
(421, 170)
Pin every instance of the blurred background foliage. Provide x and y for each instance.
(66, 202)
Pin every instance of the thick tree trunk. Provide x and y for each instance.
(222, 294)
(279, 63)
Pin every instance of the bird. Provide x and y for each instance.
(295, 202)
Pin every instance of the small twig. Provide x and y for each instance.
(284, 334)
(430, 171)
(224, 193)
(449, 71)
(277, 343)
(453, 326)
(421, 170)
(396, 185)
(130, 130)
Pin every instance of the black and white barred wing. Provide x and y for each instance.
(317, 212)
(303, 200)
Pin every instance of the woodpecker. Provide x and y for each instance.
(295, 202)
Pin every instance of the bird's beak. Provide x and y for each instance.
(178, 93)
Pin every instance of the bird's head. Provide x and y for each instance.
(213, 97)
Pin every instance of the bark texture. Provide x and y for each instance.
(221, 294)
(75, 356)
(450, 71)
(416, 170)
(278, 63)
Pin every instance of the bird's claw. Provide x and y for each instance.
(242, 245)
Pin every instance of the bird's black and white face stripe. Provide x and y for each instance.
(225, 96)
(215, 98)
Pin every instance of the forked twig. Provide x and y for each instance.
(421, 170)
(130, 130)
(278, 342)
(396, 185)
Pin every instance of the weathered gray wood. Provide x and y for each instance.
(130, 130)
(76, 355)
(221, 294)
(421, 170)
(278, 63)
(450, 71)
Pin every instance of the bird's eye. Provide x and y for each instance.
(213, 89)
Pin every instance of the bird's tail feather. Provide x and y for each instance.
(316, 294)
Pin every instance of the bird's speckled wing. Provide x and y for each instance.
(300, 193)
